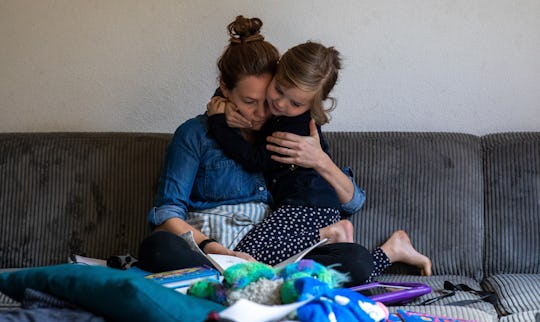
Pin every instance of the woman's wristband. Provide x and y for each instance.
(205, 242)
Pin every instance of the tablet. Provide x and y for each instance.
(392, 293)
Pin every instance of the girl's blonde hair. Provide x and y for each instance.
(247, 54)
(311, 67)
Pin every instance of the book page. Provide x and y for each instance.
(188, 237)
(299, 256)
(77, 259)
(222, 262)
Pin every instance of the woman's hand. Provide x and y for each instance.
(304, 151)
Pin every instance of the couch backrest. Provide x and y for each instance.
(89, 193)
(84, 193)
(428, 184)
(512, 208)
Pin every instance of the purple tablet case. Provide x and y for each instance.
(405, 292)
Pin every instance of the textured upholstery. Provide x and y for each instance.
(512, 180)
(83, 193)
(529, 316)
(429, 184)
(517, 292)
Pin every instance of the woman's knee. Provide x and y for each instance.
(164, 251)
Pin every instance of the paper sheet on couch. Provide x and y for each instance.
(247, 311)
(87, 260)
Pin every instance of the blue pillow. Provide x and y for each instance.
(114, 294)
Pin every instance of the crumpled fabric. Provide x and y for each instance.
(336, 304)
(44, 307)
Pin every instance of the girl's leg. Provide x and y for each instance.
(340, 232)
(363, 266)
(398, 248)
(380, 263)
(285, 232)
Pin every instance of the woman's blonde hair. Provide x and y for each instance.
(247, 54)
(311, 67)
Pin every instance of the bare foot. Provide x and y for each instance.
(340, 232)
(399, 248)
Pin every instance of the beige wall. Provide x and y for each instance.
(139, 65)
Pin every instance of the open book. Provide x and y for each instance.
(222, 262)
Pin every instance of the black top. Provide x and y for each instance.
(291, 185)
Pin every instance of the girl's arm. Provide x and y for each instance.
(307, 152)
(252, 156)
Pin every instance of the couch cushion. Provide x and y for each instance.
(437, 285)
(456, 312)
(512, 179)
(516, 292)
(84, 193)
(429, 184)
(7, 303)
(114, 294)
(523, 316)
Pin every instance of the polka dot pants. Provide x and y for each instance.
(380, 263)
(286, 231)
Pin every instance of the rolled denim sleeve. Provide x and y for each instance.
(359, 196)
(159, 215)
(177, 176)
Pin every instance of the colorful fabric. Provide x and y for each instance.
(336, 305)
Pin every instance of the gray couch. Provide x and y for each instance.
(471, 203)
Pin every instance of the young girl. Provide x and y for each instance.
(304, 200)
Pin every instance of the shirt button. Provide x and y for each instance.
(261, 188)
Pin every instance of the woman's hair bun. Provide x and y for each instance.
(245, 30)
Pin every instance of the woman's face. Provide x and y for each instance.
(288, 101)
(249, 96)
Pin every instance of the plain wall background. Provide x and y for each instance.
(146, 66)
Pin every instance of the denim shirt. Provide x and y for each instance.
(198, 175)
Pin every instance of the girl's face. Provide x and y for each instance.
(249, 96)
(288, 101)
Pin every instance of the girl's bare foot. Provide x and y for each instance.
(399, 248)
(340, 232)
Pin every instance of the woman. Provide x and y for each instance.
(305, 199)
(198, 178)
